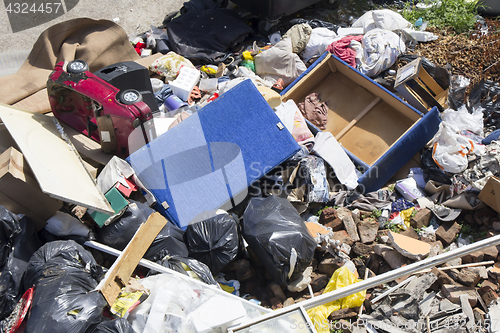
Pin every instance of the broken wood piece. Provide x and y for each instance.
(119, 274)
(366, 276)
(358, 118)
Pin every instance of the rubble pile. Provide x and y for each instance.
(224, 174)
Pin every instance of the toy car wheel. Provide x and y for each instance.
(77, 66)
(129, 96)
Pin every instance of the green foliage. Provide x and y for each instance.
(459, 15)
(321, 210)
(467, 230)
(335, 330)
(394, 228)
(376, 213)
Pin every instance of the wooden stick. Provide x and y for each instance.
(474, 264)
(366, 276)
(428, 324)
(310, 290)
(358, 118)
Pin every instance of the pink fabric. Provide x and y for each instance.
(341, 48)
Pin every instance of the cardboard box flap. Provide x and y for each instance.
(53, 159)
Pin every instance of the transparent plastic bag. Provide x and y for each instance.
(450, 149)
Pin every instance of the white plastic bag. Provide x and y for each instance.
(318, 42)
(280, 62)
(378, 50)
(450, 149)
(382, 19)
(463, 120)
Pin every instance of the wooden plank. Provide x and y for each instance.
(119, 274)
(53, 159)
(358, 118)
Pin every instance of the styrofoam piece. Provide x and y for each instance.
(217, 314)
(186, 80)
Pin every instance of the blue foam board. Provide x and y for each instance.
(209, 160)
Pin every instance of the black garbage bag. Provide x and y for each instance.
(276, 234)
(63, 274)
(47, 237)
(198, 269)
(24, 245)
(118, 234)
(431, 169)
(9, 229)
(208, 36)
(214, 241)
(119, 325)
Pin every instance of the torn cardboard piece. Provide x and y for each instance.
(55, 163)
(19, 190)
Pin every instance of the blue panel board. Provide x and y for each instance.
(205, 161)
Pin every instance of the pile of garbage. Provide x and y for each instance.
(219, 178)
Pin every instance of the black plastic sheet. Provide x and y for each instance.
(118, 234)
(207, 36)
(63, 274)
(119, 325)
(275, 232)
(431, 170)
(214, 241)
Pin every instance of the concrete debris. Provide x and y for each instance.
(409, 247)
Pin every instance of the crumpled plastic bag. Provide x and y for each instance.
(341, 278)
(169, 65)
(461, 120)
(450, 149)
(318, 42)
(378, 50)
(280, 62)
(381, 19)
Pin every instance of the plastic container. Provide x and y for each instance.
(186, 80)
(209, 85)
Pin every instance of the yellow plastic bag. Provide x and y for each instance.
(342, 277)
(406, 215)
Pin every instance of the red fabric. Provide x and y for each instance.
(341, 49)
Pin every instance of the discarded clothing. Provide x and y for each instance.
(314, 110)
(342, 49)
(169, 65)
(318, 42)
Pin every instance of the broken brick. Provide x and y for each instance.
(442, 277)
(453, 292)
(468, 278)
(490, 253)
(421, 219)
(329, 265)
(487, 294)
(329, 218)
(362, 250)
(476, 256)
(447, 232)
(350, 226)
(367, 230)
(343, 314)
(319, 281)
(391, 256)
(343, 237)
(488, 283)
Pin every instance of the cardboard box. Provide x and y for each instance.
(378, 130)
(19, 191)
(490, 194)
(415, 85)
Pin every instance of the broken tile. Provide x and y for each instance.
(367, 230)
(421, 219)
(346, 216)
(466, 308)
(419, 285)
(447, 306)
(409, 247)
(447, 232)
(426, 303)
(315, 229)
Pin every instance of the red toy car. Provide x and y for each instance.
(96, 108)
